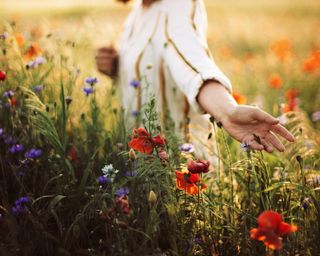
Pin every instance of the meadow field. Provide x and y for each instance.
(73, 180)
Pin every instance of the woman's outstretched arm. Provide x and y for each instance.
(247, 124)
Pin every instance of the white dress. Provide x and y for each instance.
(164, 48)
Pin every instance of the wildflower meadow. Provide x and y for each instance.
(75, 180)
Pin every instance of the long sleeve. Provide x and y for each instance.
(186, 55)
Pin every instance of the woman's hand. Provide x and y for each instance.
(249, 125)
(107, 60)
(255, 128)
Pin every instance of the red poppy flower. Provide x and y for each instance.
(275, 81)
(271, 228)
(198, 166)
(291, 94)
(312, 63)
(188, 182)
(33, 51)
(240, 99)
(2, 75)
(142, 142)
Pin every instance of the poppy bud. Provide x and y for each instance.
(132, 155)
(163, 155)
(152, 198)
(198, 166)
(2, 75)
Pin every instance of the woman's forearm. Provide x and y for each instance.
(216, 100)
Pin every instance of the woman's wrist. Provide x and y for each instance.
(215, 99)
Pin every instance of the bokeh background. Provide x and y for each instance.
(252, 41)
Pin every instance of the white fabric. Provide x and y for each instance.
(172, 32)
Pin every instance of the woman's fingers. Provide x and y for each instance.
(283, 132)
(267, 146)
(273, 140)
(251, 141)
(259, 115)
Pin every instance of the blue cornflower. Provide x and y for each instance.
(19, 210)
(16, 148)
(38, 88)
(135, 113)
(33, 153)
(91, 80)
(88, 90)
(245, 147)
(8, 94)
(122, 192)
(103, 180)
(19, 207)
(22, 200)
(135, 83)
(186, 147)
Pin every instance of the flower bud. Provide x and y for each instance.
(152, 198)
(132, 155)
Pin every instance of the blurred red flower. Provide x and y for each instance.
(291, 94)
(72, 154)
(312, 63)
(33, 51)
(282, 49)
(198, 166)
(271, 229)
(19, 39)
(122, 204)
(189, 182)
(142, 142)
(292, 100)
(2, 75)
(275, 81)
(240, 99)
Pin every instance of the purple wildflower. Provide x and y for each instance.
(186, 147)
(9, 140)
(135, 83)
(8, 94)
(91, 80)
(88, 90)
(122, 192)
(130, 173)
(38, 88)
(36, 62)
(16, 148)
(33, 153)
(4, 35)
(22, 200)
(1, 132)
(19, 207)
(135, 113)
(316, 116)
(19, 210)
(245, 147)
(103, 180)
